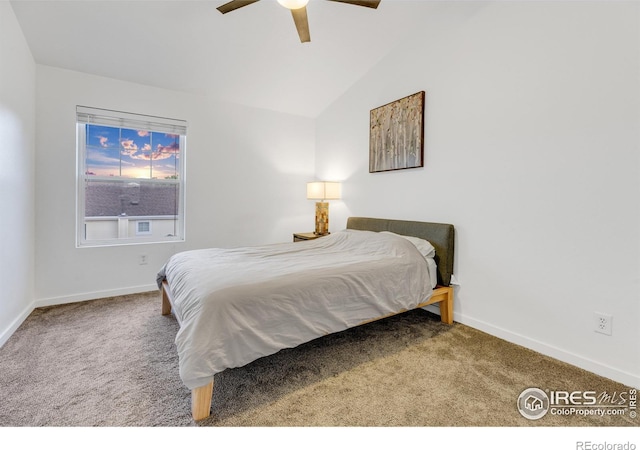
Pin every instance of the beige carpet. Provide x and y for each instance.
(113, 362)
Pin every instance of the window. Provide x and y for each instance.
(130, 178)
(144, 227)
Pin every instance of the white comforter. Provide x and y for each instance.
(237, 305)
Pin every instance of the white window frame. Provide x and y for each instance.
(149, 231)
(96, 116)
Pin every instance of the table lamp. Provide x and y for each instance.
(323, 190)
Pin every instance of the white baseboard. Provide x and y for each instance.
(95, 295)
(53, 301)
(603, 370)
(6, 334)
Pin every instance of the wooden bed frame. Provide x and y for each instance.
(441, 236)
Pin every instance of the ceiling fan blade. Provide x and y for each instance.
(368, 3)
(233, 5)
(302, 23)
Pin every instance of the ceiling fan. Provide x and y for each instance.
(298, 10)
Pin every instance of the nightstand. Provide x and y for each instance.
(297, 237)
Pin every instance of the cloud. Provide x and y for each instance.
(146, 153)
(151, 156)
(103, 141)
(143, 156)
(171, 149)
(143, 133)
(129, 147)
(161, 152)
(97, 157)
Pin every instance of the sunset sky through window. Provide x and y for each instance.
(125, 152)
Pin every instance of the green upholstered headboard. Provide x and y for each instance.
(440, 235)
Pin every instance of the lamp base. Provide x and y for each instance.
(322, 219)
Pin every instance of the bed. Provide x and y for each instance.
(237, 305)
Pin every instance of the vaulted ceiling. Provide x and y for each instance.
(251, 56)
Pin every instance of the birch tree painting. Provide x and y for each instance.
(396, 139)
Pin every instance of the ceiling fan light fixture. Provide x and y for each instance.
(293, 4)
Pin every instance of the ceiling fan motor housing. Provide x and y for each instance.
(298, 10)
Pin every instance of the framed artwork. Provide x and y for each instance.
(396, 134)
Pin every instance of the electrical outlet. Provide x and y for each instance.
(142, 260)
(602, 323)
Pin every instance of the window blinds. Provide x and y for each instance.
(119, 119)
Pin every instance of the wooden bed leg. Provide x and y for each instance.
(201, 401)
(166, 304)
(446, 307)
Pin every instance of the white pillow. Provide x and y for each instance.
(433, 272)
(427, 250)
(425, 247)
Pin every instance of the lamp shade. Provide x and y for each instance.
(323, 190)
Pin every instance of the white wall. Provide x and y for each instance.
(17, 124)
(532, 152)
(246, 174)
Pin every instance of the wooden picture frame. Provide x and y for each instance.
(396, 134)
